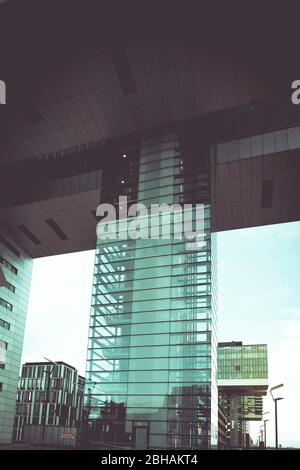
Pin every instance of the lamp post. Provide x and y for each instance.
(265, 428)
(90, 400)
(276, 399)
(88, 409)
(48, 374)
(261, 436)
(257, 439)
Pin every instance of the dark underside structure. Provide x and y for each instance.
(162, 104)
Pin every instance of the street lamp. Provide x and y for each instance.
(261, 436)
(275, 400)
(89, 382)
(90, 390)
(258, 439)
(48, 373)
(265, 427)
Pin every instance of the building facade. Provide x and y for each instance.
(242, 382)
(152, 344)
(48, 395)
(15, 277)
(223, 439)
(240, 158)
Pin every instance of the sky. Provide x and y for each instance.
(259, 302)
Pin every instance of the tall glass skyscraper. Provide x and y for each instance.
(151, 366)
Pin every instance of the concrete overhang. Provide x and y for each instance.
(81, 86)
(62, 220)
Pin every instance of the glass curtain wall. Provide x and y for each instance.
(151, 366)
(16, 267)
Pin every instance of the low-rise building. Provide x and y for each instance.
(242, 382)
(48, 395)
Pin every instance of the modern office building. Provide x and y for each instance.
(48, 395)
(242, 382)
(197, 121)
(152, 347)
(15, 276)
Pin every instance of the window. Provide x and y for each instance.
(29, 234)
(55, 227)
(8, 265)
(10, 287)
(123, 70)
(6, 305)
(1, 386)
(267, 194)
(4, 324)
(3, 347)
